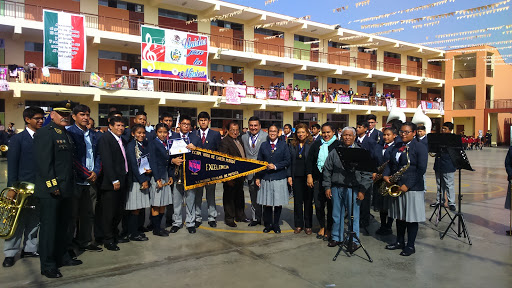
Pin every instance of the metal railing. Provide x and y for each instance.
(490, 73)
(498, 104)
(104, 23)
(463, 105)
(461, 74)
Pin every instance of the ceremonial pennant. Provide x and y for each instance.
(204, 167)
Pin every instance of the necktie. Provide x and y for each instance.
(368, 133)
(386, 146)
(272, 146)
(124, 154)
(203, 139)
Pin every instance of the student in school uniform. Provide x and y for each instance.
(161, 195)
(139, 184)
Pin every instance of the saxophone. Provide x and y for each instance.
(380, 169)
(11, 206)
(393, 190)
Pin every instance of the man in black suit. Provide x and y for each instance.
(210, 139)
(55, 183)
(113, 185)
(233, 197)
(367, 143)
(20, 168)
(126, 133)
(373, 132)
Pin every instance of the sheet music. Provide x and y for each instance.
(179, 146)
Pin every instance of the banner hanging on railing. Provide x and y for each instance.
(174, 54)
(232, 96)
(64, 41)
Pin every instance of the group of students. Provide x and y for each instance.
(117, 175)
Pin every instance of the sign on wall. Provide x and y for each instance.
(64, 41)
(174, 54)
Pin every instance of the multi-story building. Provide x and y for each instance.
(298, 52)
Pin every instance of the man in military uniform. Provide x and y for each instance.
(54, 188)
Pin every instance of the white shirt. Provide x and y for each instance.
(360, 139)
(205, 133)
(231, 82)
(117, 139)
(30, 132)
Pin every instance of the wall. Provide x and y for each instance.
(338, 56)
(265, 81)
(172, 23)
(392, 64)
(469, 125)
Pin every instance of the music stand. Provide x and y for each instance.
(353, 159)
(439, 143)
(460, 160)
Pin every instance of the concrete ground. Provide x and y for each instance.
(245, 257)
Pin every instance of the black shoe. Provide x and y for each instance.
(198, 223)
(139, 238)
(383, 231)
(452, 208)
(143, 229)
(28, 254)
(174, 229)
(92, 248)
(161, 233)
(277, 229)
(8, 262)
(395, 246)
(408, 251)
(112, 247)
(254, 223)
(71, 262)
(72, 254)
(150, 227)
(434, 204)
(267, 229)
(191, 230)
(333, 243)
(231, 224)
(52, 273)
(212, 224)
(123, 239)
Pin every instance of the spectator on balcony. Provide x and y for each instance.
(392, 94)
(313, 90)
(221, 80)
(289, 87)
(350, 92)
(29, 69)
(133, 73)
(231, 82)
(281, 86)
(296, 88)
(378, 95)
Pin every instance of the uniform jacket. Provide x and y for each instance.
(192, 138)
(112, 160)
(381, 158)
(54, 161)
(443, 162)
(212, 140)
(280, 158)
(294, 150)
(133, 166)
(159, 159)
(20, 159)
(413, 177)
(252, 153)
(377, 136)
(424, 141)
(368, 144)
(80, 154)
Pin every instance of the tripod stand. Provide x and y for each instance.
(439, 205)
(349, 236)
(460, 217)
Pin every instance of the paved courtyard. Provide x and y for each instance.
(245, 257)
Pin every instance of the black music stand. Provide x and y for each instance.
(439, 143)
(460, 160)
(353, 159)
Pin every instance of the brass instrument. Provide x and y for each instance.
(393, 190)
(4, 148)
(380, 169)
(11, 206)
(178, 173)
(432, 154)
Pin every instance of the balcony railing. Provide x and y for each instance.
(498, 104)
(461, 74)
(463, 105)
(104, 23)
(490, 73)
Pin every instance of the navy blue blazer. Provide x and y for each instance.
(413, 177)
(77, 135)
(212, 140)
(368, 144)
(159, 159)
(294, 150)
(280, 158)
(377, 135)
(508, 162)
(133, 166)
(127, 135)
(443, 162)
(20, 159)
(379, 157)
(424, 141)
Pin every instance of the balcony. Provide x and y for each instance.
(109, 24)
(489, 73)
(463, 105)
(498, 104)
(462, 74)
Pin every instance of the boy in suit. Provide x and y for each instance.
(210, 139)
(373, 132)
(368, 144)
(20, 167)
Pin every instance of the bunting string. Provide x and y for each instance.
(268, 2)
(474, 31)
(456, 39)
(483, 13)
(215, 18)
(389, 31)
(282, 23)
(425, 25)
(362, 3)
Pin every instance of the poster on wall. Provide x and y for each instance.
(64, 44)
(241, 90)
(174, 54)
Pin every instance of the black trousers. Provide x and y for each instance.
(257, 209)
(83, 214)
(322, 202)
(53, 231)
(233, 200)
(112, 211)
(303, 203)
(364, 212)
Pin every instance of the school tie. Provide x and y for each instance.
(368, 133)
(124, 154)
(203, 139)
(386, 146)
(272, 146)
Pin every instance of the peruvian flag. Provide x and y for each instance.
(64, 41)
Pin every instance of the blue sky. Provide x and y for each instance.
(322, 11)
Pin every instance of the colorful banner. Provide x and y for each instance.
(232, 96)
(297, 95)
(403, 103)
(204, 167)
(272, 94)
(145, 85)
(97, 81)
(261, 94)
(284, 95)
(241, 90)
(344, 99)
(174, 54)
(64, 41)
(251, 90)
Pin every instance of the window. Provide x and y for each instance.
(338, 81)
(33, 47)
(307, 118)
(338, 45)
(122, 5)
(436, 63)
(304, 38)
(229, 25)
(113, 55)
(176, 15)
(227, 69)
(222, 117)
(391, 86)
(268, 32)
(338, 120)
(304, 77)
(268, 73)
(268, 118)
(128, 111)
(413, 89)
(414, 59)
(366, 50)
(392, 55)
(366, 84)
(192, 112)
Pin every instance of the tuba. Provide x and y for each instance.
(393, 190)
(420, 118)
(12, 200)
(396, 113)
